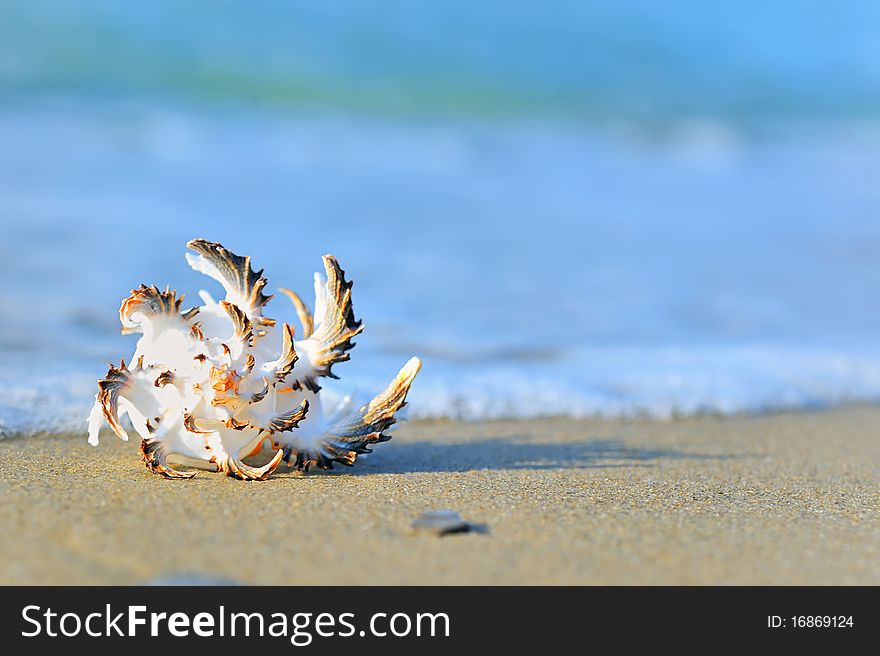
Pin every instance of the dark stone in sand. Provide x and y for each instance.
(441, 522)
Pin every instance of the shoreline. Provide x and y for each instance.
(786, 498)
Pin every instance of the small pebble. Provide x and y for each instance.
(441, 522)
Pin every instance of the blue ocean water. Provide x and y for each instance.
(580, 209)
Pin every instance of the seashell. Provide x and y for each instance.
(213, 384)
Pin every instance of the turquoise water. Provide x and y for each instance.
(588, 209)
(606, 61)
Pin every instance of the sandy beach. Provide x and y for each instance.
(781, 499)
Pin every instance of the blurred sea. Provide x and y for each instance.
(567, 208)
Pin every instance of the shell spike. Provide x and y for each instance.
(244, 328)
(289, 420)
(243, 285)
(109, 389)
(155, 459)
(306, 318)
(147, 305)
(284, 364)
(235, 468)
(334, 324)
(354, 433)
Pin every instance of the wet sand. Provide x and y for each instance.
(783, 499)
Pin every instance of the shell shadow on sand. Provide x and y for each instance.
(515, 452)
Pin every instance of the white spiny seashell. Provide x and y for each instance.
(213, 384)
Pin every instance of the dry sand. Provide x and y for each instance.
(780, 499)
